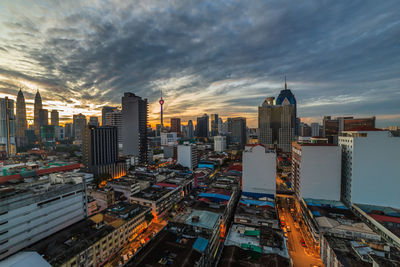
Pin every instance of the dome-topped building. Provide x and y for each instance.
(286, 97)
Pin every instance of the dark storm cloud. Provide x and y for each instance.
(225, 49)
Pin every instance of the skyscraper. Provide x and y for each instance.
(286, 97)
(190, 131)
(100, 151)
(7, 127)
(202, 127)
(134, 126)
(79, 122)
(43, 117)
(238, 134)
(104, 111)
(276, 124)
(220, 123)
(55, 120)
(315, 129)
(93, 121)
(20, 118)
(37, 106)
(115, 119)
(69, 131)
(176, 125)
(214, 124)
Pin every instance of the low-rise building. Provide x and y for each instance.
(92, 241)
(34, 210)
(159, 199)
(125, 185)
(105, 197)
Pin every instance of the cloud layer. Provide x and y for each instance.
(225, 57)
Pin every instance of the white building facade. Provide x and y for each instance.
(370, 172)
(259, 170)
(316, 171)
(29, 216)
(169, 138)
(187, 156)
(219, 143)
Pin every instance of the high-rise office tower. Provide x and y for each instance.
(7, 127)
(276, 124)
(190, 129)
(286, 97)
(176, 125)
(220, 123)
(134, 126)
(55, 120)
(20, 118)
(104, 111)
(93, 121)
(305, 130)
(238, 135)
(214, 124)
(43, 117)
(202, 127)
(100, 151)
(79, 122)
(69, 131)
(315, 129)
(115, 119)
(37, 106)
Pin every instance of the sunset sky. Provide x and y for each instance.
(225, 57)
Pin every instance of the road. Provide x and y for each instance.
(301, 256)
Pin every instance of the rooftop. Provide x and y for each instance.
(153, 193)
(334, 216)
(68, 242)
(387, 216)
(170, 249)
(234, 256)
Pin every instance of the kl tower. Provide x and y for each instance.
(161, 103)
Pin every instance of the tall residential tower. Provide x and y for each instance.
(134, 126)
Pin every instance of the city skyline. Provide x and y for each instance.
(84, 55)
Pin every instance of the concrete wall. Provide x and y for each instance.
(320, 172)
(185, 156)
(28, 224)
(376, 177)
(259, 170)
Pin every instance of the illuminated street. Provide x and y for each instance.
(302, 255)
(123, 256)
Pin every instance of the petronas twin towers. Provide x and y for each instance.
(20, 118)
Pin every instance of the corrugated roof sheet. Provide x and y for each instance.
(200, 244)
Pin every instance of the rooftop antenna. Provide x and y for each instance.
(285, 83)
